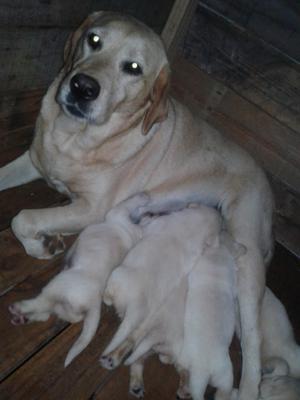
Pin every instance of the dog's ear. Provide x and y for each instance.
(158, 109)
(73, 38)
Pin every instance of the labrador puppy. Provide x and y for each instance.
(107, 129)
(75, 294)
(277, 384)
(181, 304)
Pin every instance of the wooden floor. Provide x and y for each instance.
(32, 356)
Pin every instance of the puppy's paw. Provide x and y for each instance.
(108, 362)
(18, 318)
(137, 391)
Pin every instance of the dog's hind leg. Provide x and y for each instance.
(222, 379)
(136, 383)
(131, 320)
(37, 309)
(198, 383)
(114, 358)
(18, 172)
(183, 391)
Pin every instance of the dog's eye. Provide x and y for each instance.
(94, 41)
(132, 68)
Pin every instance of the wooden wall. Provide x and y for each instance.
(33, 32)
(247, 78)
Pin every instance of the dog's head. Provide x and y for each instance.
(114, 64)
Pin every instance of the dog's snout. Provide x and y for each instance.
(84, 87)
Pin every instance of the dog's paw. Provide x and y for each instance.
(18, 318)
(53, 244)
(137, 391)
(108, 362)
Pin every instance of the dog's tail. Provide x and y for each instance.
(89, 329)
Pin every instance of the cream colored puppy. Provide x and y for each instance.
(176, 292)
(277, 384)
(75, 294)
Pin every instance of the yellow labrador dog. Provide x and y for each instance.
(107, 129)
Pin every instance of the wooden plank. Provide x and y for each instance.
(44, 376)
(161, 382)
(44, 13)
(18, 343)
(234, 115)
(288, 235)
(15, 143)
(15, 265)
(176, 25)
(30, 58)
(28, 101)
(32, 36)
(275, 22)
(283, 278)
(70, 13)
(262, 73)
(15, 122)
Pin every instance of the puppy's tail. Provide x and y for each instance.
(89, 329)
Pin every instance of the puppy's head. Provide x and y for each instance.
(114, 64)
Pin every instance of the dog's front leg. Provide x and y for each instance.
(40, 231)
(18, 172)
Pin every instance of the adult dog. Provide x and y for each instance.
(107, 129)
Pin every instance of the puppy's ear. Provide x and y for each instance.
(158, 109)
(73, 38)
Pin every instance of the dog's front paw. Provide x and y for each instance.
(53, 244)
(36, 244)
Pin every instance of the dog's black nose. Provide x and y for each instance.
(84, 87)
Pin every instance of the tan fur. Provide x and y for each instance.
(104, 157)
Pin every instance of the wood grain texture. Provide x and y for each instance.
(252, 48)
(161, 382)
(33, 33)
(19, 343)
(44, 376)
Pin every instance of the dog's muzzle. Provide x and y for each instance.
(81, 91)
(84, 87)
